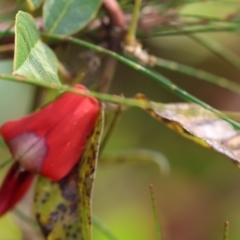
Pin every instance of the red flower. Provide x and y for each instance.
(48, 142)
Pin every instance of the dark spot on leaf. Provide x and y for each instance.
(47, 228)
(69, 187)
(74, 236)
(62, 208)
(38, 216)
(73, 208)
(69, 193)
(54, 216)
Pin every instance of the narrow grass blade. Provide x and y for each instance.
(226, 230)
(155, 213)
(200, 74)
(196, 29)
(218, 49)
(111, 128)
(233, 115)
(160, 79)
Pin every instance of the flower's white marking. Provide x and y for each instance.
(30, 150)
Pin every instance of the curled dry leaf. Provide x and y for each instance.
(198, 124)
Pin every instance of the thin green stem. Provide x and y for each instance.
(131, 35)
(133, 102)
(200, 74)
(218, 49)
(192, 30)
(111, 128)
(16, 78)
(233, 115)
(101, 96)
(103, 229)
(209, 17)
(226, 230)
(162, 80)
(155, 213)
(109, 70)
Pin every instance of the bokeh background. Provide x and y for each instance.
(202, 189)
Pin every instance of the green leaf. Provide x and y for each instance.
(33, 59)
(33, 4)
(63, 209)
(66, 17)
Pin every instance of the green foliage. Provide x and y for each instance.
(33, 59)
(66, 17)
(35, 63)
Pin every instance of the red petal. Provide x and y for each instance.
(13, 188)
(61, 128)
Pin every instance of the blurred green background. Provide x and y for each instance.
(201, 191)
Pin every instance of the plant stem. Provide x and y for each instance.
(217, 49)
(162, 80)
(233, 115)
(129, 101)
(191, 30)
(111, 128)
(226, 230)
(131, 35)
(200, 74)
(155, 213)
